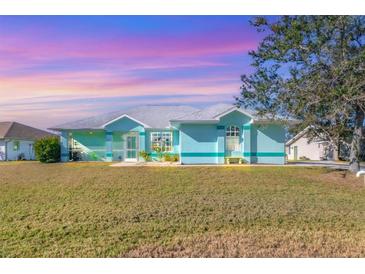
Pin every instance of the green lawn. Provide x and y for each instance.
(93, 210)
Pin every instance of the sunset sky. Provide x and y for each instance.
(56, 69)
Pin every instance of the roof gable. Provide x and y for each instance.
(234, 109)
(125, 116)
(235, 117)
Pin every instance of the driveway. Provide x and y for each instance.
(329, 164)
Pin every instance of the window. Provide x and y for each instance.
(232, 138)
(232, 131)
(15, 145)
(162, 140)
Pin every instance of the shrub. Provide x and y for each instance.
(47, 150)
(145, 155)
(175, 158)
(167, 157)
(159, 153)
(21, 157)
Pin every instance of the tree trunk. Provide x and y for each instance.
(356, 141)
(336, 152)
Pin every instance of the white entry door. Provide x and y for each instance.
(131, 147)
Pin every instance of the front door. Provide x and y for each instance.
(131, 148)
(295, 153)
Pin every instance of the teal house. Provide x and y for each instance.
(211, 135)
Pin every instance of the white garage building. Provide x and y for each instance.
(300, 147)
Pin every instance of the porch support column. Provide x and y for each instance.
(65, 157)
(109, 146)
(142, 143)
(220, 144)
(247, 142)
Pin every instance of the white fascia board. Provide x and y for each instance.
(127, 116)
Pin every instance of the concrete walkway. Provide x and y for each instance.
(328, 164)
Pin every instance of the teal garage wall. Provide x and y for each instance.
(267, 144)
(199, 144)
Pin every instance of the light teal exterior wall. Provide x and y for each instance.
(246, 130)
(118, 146)
(116, 131)
(199, 144)
(195, 143)
(92, 144)
(268, 144)
(64, 146)
(235, 118)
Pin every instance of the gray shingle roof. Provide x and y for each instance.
(14, 130)
(158, 116)
(152, 116)
(210, 113)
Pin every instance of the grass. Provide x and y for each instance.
(93, 210)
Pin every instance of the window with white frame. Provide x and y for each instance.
(161, 140)
(233, 138)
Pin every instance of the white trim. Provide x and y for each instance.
(161, 132)
(129, 117)
(231, 110)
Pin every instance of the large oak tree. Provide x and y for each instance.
(311, 68)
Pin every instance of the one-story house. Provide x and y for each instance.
(197, 136)
(17, 141)
(302, 147)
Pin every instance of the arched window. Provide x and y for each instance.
(232, 139)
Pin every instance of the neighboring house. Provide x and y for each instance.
(300, 147)
(17, 141)
(198, 136)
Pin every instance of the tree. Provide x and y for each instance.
(311, 68)
(47, 150)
